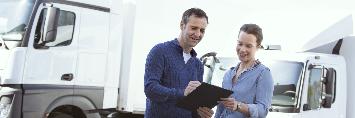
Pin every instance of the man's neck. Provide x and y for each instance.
(187, 51)
(184, 47)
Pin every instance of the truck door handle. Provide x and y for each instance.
(67, 77)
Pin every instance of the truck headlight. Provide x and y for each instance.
(4, 110)
(5, 105)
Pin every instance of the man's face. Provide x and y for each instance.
(192, 32)
(246, 47)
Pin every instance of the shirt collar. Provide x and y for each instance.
(234, 70)
(177, 46)
(256, 63)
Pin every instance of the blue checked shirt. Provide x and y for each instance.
(254, 87)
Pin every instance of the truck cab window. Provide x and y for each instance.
(39, 28)
(65, 30)
(314, 88)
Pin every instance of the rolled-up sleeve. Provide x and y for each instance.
(265, 88)
(152, 78)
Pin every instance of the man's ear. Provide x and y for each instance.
(181, 25)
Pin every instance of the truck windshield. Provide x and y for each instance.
(285, 74)
(14, 16)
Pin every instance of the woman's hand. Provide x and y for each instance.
(229, 103)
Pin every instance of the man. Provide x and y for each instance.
(172, 70)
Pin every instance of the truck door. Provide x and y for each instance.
(50, 65)
(315, 94)
(53, 63)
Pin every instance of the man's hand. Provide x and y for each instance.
(191, 87)
(205, 112)
(229, 103)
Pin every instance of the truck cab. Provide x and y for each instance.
(315, 82)
(59, 58)
(305, 84)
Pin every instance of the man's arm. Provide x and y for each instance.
(154, 69)
(205, 112)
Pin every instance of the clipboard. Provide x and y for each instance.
(205, 95)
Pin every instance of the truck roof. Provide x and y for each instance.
(326, 40)
(292, 56)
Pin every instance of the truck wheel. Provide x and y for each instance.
(60, 115)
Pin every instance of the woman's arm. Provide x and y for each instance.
(220, 109)
(264, 92)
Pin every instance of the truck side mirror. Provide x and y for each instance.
(329, 88)
(50, 24)
(271, 47)
(209, 58)
(208, 55)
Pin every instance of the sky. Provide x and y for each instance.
(289, 23)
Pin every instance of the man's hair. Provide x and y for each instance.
(193, 11)
(254, 30)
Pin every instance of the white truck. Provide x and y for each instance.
(317, 82)
(78, 58)
(61, 58)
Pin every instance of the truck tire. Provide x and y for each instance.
(60, 115)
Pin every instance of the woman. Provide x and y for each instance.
(250, 80)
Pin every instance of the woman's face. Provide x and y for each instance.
(246, 47)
